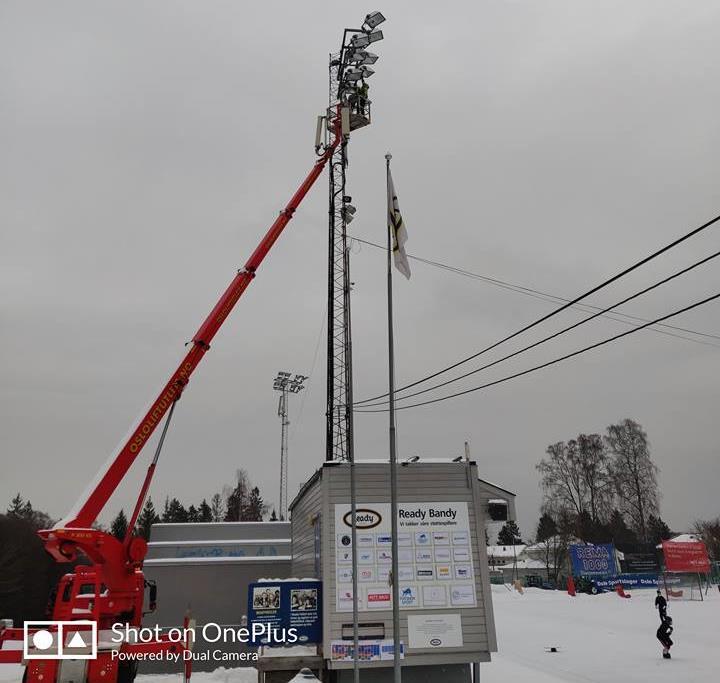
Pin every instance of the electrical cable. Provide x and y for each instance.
(555, 334)
(555, 312)
(554, 361)
(616, 316)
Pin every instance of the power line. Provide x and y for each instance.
(616, 316)
(557, 334)
(565, 306)
(552, 362)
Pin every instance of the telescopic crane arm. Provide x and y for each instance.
(91, 504)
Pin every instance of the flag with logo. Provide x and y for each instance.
(397, 230)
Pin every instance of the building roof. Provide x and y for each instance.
(682, 538)
(509, 551)
(525, 564)
(495, 486)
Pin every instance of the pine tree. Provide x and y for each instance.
(204, 512)
(509, 534)
(193, 515)
(621, 535)
(175, 512)
(17, 507)
(119, 526)
(546, 528)
(147, 518)
(23, 509)
(255, 508)
(273, 516)
(238, 499)
(658, 530)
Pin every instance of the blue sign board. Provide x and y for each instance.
(629, 581)
(283, 605)
(593, 560)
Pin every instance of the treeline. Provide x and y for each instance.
(241, 503)
(602, 488)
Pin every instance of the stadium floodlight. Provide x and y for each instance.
(361, 57)
(361, 40)
(374, 37)
(348, 213)
(354, 75)
(367, 72)
(373, 19)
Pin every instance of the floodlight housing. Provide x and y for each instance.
(374, 37)
(352, 75)
(370, 58)
(360, 40)
(374, 19)
(367, 72)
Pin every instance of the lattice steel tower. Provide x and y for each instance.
(348, 72)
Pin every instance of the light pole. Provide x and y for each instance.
(286, 384)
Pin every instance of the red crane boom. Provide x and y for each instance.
(88, 509)
(111, 589)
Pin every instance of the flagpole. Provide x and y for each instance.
(393, 450)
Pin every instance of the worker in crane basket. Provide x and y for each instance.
(362, 98)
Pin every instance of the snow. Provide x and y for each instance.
(504, 551)
(600, 638)
(682, 538)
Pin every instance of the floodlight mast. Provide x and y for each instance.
(348, 72)
(285, 384)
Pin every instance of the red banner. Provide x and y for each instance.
(686, 557)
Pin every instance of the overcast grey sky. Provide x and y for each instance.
(146, 146)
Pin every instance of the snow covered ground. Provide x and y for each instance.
(601, 639)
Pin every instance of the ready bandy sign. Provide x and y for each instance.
(434, 556)
(410, 515)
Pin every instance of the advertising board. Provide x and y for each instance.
(686, 557)
(288, 604)
(434, 554)
(593, 560)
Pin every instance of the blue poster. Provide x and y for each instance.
(593, 560)
(285, 605)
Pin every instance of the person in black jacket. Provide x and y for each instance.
(663, 635)
(661, 605)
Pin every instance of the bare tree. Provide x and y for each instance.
(634, 474)
(217, 508)
(592, 461)
(562, 480)
(709, 532)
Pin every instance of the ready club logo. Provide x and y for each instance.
(60, 640)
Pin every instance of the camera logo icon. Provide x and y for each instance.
(60, 640)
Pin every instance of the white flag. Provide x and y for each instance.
(397, 230)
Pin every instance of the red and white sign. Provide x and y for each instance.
(686, 557)
(378, 598)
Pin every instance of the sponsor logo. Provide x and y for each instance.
(443, 571)
(463, 571)
(421, 538)
(435, 642)
(365, 518)
(378, 599)
(408, 597)
(384, 539)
